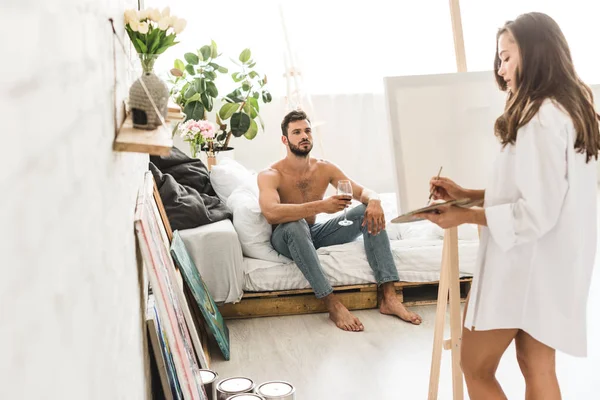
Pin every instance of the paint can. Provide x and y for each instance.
(276, 390)
(230, 386)
(209, 380)
(246, 396)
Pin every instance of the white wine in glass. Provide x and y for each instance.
(344, 188)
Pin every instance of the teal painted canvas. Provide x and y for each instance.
(213, 318)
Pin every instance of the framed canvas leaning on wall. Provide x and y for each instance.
(167, 292)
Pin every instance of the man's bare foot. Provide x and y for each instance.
(339, 314)
(390, 305)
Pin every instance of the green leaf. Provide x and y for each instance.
(252, 65)
(195, 97)
(214, 66)
(213, 48)
(200, 85)
(179, 65)
(136, 45)
(190, 69)
(256, 95)
(194, 110)
(189, 93)
(184, 88)
(252, 131)
(266, 96)
(210, 75)
(142, 46)
(207, 101)
(246, 86)
(211, 89)
(155, 40)
(234, 96)
(253, 74)
(222, 70)
(168, 40)
(222, 136)
(162, 49)
(238, 76)
(253, 102)
(248, 109)
(240, 123)
(245, 55)
(206, 52)
(227, 110)
(191, 58)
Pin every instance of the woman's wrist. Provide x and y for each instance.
(477, 216)
(474, 194)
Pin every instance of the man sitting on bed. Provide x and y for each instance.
(292, 194)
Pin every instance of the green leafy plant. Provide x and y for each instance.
(194, 87)
(195, 91)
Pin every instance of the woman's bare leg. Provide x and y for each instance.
(481, 352)
(538, 365)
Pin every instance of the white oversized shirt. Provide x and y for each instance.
(537, 254)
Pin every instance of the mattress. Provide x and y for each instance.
(417, 260)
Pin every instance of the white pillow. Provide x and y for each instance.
(227, 176)
(251, 226)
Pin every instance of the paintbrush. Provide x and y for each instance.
(431, 193)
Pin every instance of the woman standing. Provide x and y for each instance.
(538, 240)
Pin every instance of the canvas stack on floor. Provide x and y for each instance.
(174, 320)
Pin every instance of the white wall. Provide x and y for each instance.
(70, 313)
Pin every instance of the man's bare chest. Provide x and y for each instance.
(302, 189)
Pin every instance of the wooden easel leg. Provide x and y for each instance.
(451, 237)
(449, 285)
(440, 319)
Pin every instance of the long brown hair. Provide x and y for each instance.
(546, 71)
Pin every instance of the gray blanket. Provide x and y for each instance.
(186, 192)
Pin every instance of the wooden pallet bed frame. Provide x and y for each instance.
(354, 297)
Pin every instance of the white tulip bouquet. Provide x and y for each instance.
(152, 32)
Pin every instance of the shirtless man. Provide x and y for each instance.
(291, 196)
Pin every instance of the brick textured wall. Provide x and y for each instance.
(70, 318)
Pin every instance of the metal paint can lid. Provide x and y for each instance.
(235, 385)
(246, 396)
(207, 376)
(275, 389)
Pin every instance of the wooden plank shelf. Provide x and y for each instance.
(156, 142)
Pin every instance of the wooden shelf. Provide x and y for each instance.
(157, 142)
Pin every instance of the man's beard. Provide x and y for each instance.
(300, 152)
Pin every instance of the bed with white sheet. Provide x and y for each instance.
(416, 261)
(237, 258)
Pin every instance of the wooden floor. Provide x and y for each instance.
(390, 360)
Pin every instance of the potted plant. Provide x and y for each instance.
(238, 113)
(151, 32)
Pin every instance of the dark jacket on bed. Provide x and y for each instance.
(186, 192)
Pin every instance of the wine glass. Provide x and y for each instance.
(344, 188)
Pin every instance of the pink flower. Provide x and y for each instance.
(192, 128)
(208, 134)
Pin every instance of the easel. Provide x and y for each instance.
(449, 286)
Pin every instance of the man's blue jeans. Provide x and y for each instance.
(299, 241)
